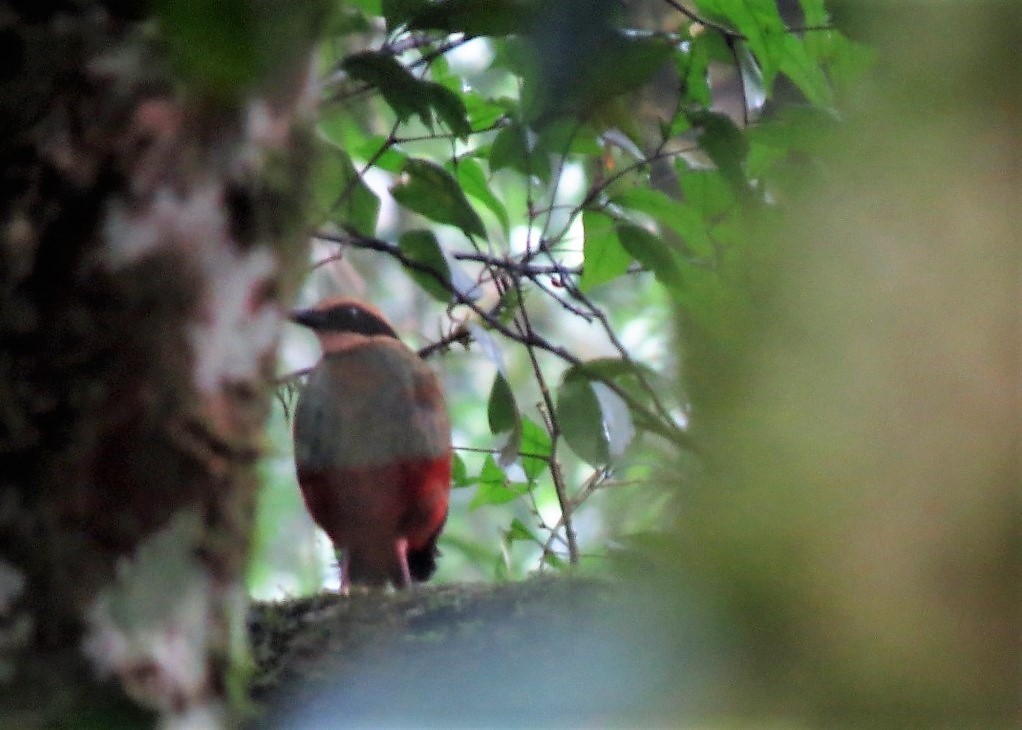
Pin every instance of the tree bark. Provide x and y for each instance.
(152, 214)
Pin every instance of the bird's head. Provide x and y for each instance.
(340, 322)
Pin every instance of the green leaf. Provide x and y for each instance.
(594, 420)
(392, 159)
(518, 531)
(554, 561)
(340, 195)
(501, 409)
(473, 182)
(707, 192)
(760, 23)
(604, 259)
(580, 419)
(806, 73)
(406, 94)
(494, 486)
(693, 68)
(652, 253)
(603, 65)
(430, 190)
(616, 417)
(510, 149)
(814, 13)
(399, 12)
(568, 136)
(535, 449)
(213, 44)
(721, 139)
(626, 376)
(504, 417)
(459, 473)
(422, 247)
(681, 217)
(654, 203)
(369, 7)
(482, 113)
(449, 107)
(477, 17)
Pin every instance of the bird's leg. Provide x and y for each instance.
(401, 546)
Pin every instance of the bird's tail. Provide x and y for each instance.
(422, 561)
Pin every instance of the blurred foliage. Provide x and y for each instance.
(855, 395)
(584, 169)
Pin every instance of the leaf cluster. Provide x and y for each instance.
(479, 162)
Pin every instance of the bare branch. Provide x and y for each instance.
(525, 327)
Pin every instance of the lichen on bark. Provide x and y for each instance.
(152, 224)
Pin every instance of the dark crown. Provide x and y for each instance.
(344, 317)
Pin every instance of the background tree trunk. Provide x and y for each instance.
(154, 170)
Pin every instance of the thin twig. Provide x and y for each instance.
(695, 18)
(591, 485)
(649, 420)
(525, 327)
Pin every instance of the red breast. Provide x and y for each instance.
(372, 446)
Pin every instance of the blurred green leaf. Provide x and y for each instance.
(568, 136)
(501, 411)
(693, 68)
(626, 376)
(680, 216)
(459, 473)
(616, 419)
(430, 190)
(339, 193)
(604, 257)
(535, 449)
(707, 192)
(581, 63)
(392, 158)
(518, 531)
(403, 92)
(503, 417)
(348, 20)
(594, 420)
(226, 47)
(450, 108)
(482, 113)
(721, 139)
(807, 74)
(399, 12)
(760, 23)
(815, 15)
(651, 251)
(407, 94)
(580, 419)
(494, 486)
(422, 247)
(510, 149)
(554, 561)
(477, 17)
(473, 182)
(369, 7)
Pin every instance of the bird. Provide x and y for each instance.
(372, 440)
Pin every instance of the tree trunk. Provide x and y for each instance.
(152, 202)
